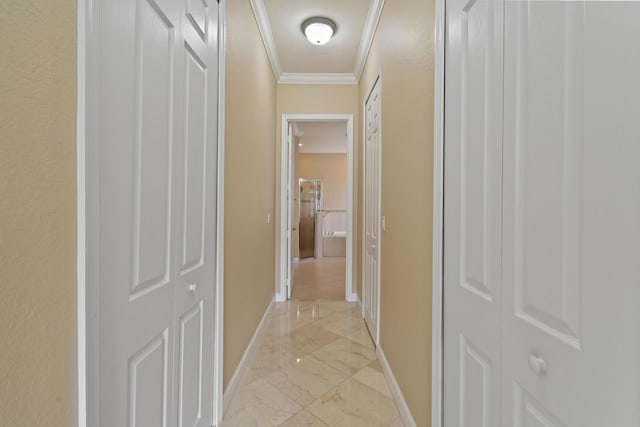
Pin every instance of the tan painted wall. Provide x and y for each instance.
(322, 99)
(331, 169)
(249, 183)
(37, 213)
(403, 50)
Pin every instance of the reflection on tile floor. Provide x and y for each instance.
(313, 365)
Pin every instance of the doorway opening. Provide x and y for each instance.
(316, 207)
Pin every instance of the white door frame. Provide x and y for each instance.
(437, 335)
(281, 294)
(86, 131)
(377, 80)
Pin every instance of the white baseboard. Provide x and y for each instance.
(237, 375)
(296, 260)
(403, 408)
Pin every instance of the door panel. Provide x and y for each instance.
(197, 11)
(543, 163)
(547, 150)
(529, 413)
(148, 380)
(196, 214)
(153, 91)
(371, 266)
(190, 366)
(475, 385)
(473, 175)
(195, 162)
(134, 235)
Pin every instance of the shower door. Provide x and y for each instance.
(309, 205)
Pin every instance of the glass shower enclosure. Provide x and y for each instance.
(310, 202)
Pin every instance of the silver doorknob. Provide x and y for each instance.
(537, 364)
(192, 287)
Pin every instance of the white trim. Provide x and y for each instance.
(349, 293)
(234, 382)
(87, 160)
(81, 203)
(377, 80)
(317, 79)
(218, 353)
(437, 372)
(281, 291)
(396, 392)
(369, 31)
(260, 13)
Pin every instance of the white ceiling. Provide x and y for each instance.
(322, 137)
(295, 60)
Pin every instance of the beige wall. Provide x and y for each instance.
(37, 213)
(321, 99)
(403, 50)
(331, 169)
(249, 183)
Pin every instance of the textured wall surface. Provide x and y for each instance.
(331, 169)
(249, 183)
(403, 50)
(37, 213)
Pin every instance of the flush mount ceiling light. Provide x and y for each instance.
(318, 29)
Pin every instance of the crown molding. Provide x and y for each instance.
(260, 13)
(370, 26)
(317, 79)
(368, 32)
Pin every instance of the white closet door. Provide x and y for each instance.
(152, 228)
(371, 267)
(571, 269)
(195, 215)
(473, 177)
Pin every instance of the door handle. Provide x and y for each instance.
(537, 364)
(192, 287)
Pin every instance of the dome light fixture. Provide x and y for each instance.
(318, 29)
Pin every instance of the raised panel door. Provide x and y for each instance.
(571, 228)
(371, 268)
(473, 174)
(153, 222)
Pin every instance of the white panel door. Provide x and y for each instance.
(542, 222)
(290, 200)
(154, 218)
(571, 269)
(195, 215)
(371, 267)
(473, 203)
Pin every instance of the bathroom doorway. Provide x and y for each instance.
(317, 206)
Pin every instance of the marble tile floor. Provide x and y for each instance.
(314, 364)
(319, 279)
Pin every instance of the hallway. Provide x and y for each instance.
(314, 364)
